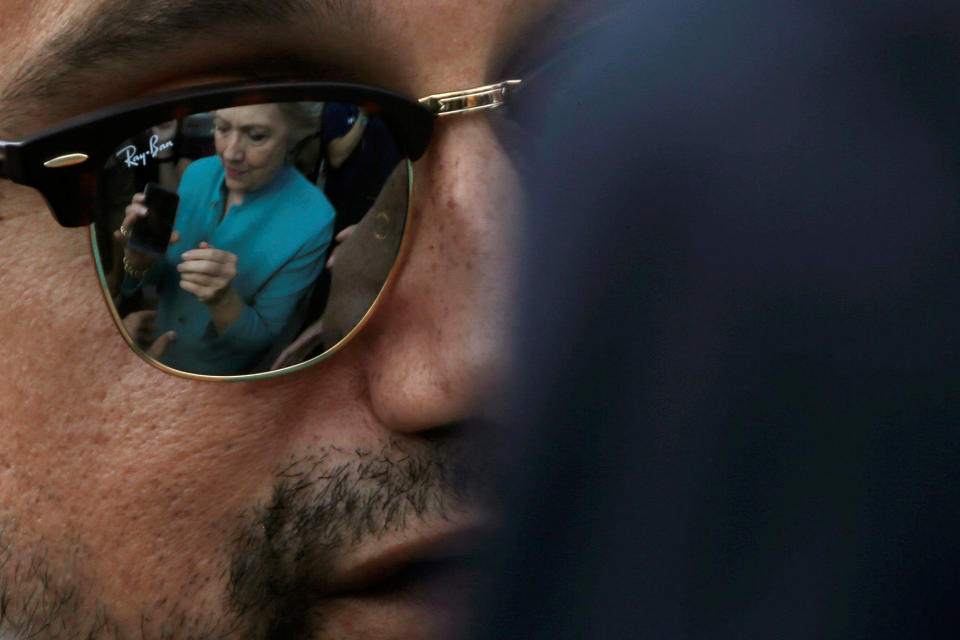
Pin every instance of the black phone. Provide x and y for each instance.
(151, 233)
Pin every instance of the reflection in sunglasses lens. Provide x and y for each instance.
(249, 239)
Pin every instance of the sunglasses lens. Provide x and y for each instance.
(249, 239)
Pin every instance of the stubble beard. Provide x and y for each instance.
(276, 561)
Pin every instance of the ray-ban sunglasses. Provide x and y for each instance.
(241, 231)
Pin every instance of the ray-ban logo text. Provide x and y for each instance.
(131, 158)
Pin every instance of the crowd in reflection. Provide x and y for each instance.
(242, 278)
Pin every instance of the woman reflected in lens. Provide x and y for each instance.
(250, 238)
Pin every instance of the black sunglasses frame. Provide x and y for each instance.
(66, 163)
(70, 186)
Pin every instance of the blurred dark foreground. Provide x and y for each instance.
(736, 412)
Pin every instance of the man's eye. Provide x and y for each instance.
(221, 129)
(258, 136)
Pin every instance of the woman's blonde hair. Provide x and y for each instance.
(303, 119)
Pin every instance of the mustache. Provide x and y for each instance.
(322, 505)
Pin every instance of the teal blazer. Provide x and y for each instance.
(280, 235)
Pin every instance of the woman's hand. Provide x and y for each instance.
(207, 273)
(136, 260)
(141, 325)
(133, 259)
(341, 237)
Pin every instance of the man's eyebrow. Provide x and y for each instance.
(131, 30)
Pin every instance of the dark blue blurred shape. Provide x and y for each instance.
(737, 407)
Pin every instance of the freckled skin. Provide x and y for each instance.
(130, 480)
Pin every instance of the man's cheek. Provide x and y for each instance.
(54, 328)
(54, 336)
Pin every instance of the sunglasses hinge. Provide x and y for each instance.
(479, 98)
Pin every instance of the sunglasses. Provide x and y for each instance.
(241, 232)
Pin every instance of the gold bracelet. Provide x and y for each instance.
(136, 273)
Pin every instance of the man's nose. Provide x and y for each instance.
(437, 338)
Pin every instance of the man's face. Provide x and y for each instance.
(138, 504)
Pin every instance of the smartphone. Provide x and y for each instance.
(151, 233)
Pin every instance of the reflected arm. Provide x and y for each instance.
(226, 310)
(340, 148)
